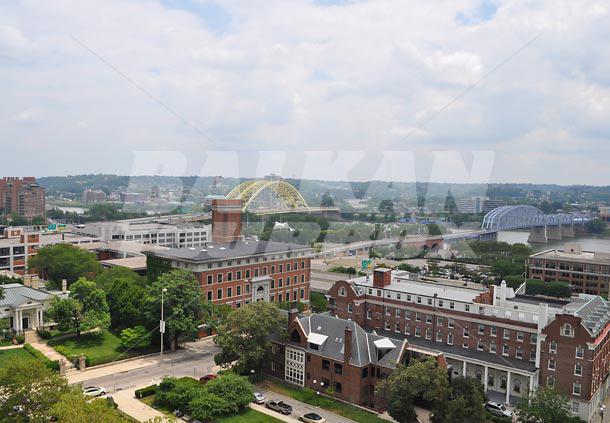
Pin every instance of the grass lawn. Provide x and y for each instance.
(7, 356)
(309, 396)
(99, 348)
(249, 416)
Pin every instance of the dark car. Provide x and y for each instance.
(205, 379)
(280, 407)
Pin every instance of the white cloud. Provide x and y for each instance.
(296, 76)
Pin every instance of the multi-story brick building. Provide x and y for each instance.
(587, 272)
(325, 353)
(499, 336)
(22, 196)
(245, 271)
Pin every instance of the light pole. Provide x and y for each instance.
(162, 324)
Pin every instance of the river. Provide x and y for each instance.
(589, 243)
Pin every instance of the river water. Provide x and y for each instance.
(589, 243)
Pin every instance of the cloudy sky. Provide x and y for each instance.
(506, 91)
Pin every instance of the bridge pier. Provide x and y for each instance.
(567, 231)
(538, 235)
(579, 229)
(553, 232)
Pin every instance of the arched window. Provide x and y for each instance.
(517, 386)
(490, 379)
(295, 336)
(478, 375)
(503, 382)
(342, 292)
(567, 330)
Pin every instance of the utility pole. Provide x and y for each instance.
(162, 324)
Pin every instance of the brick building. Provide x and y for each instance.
(499, 336)
(587, 272)
(323, 352)
(245, 271)
(22, 196)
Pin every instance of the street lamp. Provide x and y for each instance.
(162, 324)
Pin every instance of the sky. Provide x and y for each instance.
(451, 91)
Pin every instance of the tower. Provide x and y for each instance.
(226, 220)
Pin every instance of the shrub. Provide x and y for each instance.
(136, 337)
(146, 392)
(235, 389)
(44, 334)
(206, 406)
(66, 353)
(50, 364)
(20, 338)
(179, 397)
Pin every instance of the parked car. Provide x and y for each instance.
(259, 398)
(279, 406)
(312, 418)
(498, 409)
(205, 379)
(94, 391)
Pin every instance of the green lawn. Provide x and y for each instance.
(249, 416)
(99, 348)
(7, 356)
(309, 396)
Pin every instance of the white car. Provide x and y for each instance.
(94, 391)
(259, 398)
(498, 409)
(312, 418)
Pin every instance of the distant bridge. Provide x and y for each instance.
(542, 226)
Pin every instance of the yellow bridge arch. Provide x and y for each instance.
(249, 190)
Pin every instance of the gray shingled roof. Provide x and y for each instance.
(364, 350)
(16, 295)
(594, 312)
(235, 249)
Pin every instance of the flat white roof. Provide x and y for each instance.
(316, 338)
(384, 344)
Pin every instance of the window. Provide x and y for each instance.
(467, 307)
(397, 327)
(575, 407)
(407, 315)
(229, 276)
(387, 311)
(295, 366)
(520, 336)
(428, 334)
(417, 317)
(219, 294)
(580, 352)
(466, 334)
(247, 274)
(440, 303)
(552, 364)
(219, 278)
(325, 364)
(339, 368)
(209, 295)
(449, 339)
(229, 292)
(550, 381)
(429, 301)
(481, 329)
(365, 373)
(417, 332)
(553, 347)
(407, 330)
(418, 300)
(494, 330)
(338, 387)
(517, 386)
(519, 353)
(238, 289)
(397, 312)
(238, 275)
(505, 349)
(350, 307)
(503, 382)
(532, 355)
(439, 336)
(428, 319)
(492, 347)
(387, 325)
(567, 330)
(210, 279)
(479, 345)
(450, 323)
(490, 379)
(342, 292)
(439, 321)
(369, 314)
(506, 334)
(578, 369)
(452, 305)
(533, 338)
(576, 388)
(302, 294)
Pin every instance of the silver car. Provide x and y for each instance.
(259, 398)
(94, 391)
(498, 409)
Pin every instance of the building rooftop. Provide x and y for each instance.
(593, 310)
(16, 295)
(235, 249)
(593, 257)
(133, 263)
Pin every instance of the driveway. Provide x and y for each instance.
(299, 408)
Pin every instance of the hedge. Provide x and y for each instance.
(146, 392)
(552, 289)
(51, 364)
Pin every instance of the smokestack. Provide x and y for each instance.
(64, 285)
(347, 345)
(293, 313)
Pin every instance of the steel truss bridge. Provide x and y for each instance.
(527, 217)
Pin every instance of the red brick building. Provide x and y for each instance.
(510, 342)
(22, 196)
(325, 353)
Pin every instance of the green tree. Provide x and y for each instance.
(596, 226)
(434, 229)
(420, 379)
(28, 384)
(126, 298)
(64, 261)
(234, 389)
(136, 337)
(182, 305)
(544, 405)
(74, 407)
(450, 205)
(458, 219)
(505, 267)
(386, 206)
(206, 406)
(244, 336)
(327, 200)
(466, 404)
(107, 277)
(84, 310)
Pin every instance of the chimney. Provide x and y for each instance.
(35, 281)
(27, 280)
(503, 292)
(64, 285)
(293, 313)
(347, 345)
(382, 277)
(226, 220)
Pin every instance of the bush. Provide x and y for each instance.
(20, 339)
(179, 397)
(146, 392)
(207, 405)
(235, 389)
(66, 353)
(136, 337)
(50, 364)
(44, 334)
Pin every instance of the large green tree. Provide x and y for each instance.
(64, 261)
(244, 335)
(84, 310)
(28, 391)
(466, 404)
(420, 379)
(107, 277)
(182, 305)
(544, 405)
(126, 299)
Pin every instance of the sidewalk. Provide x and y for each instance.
(51, 354)
(265, 410)
(133, 407)
(11, 347)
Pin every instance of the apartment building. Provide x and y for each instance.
(22, 196)
(244, 271)
(499, 336)
(587, 272)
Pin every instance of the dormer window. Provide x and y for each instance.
(342, 292)
(567, 330)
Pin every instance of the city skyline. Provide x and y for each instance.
(508, 80)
